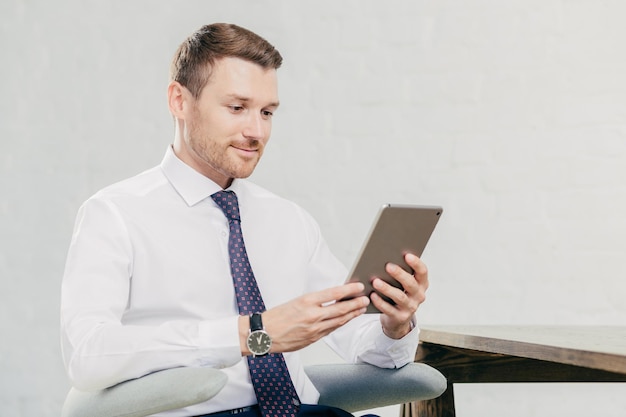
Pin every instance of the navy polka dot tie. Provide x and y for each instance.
(274, 390)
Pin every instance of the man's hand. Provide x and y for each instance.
(308, 318)
(396, 319)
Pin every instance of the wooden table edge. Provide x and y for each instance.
(451, 336)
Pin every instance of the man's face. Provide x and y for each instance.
(228, 126)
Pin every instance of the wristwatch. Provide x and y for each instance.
(259, 342)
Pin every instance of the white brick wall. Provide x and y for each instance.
(511, 114)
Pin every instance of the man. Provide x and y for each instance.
(161, 273)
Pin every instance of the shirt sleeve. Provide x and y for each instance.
(362, 340)
(99, 349)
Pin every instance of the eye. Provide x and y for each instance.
(267, 113)
(235, 108)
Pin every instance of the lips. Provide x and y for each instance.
(247, 147)
(246, 152)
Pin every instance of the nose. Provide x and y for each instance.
(255, 127)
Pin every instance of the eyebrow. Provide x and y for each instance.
(274, 104)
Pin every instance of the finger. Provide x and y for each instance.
(334, 321)
(413, 286)
(335, 302)
(394, 314)
(328, 318)
(420, 271)
(399, 296)
(410, 297)
(344, 308)
(384, 306)
(405, 279)
(349, 290)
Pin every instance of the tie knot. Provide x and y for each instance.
(227, 201)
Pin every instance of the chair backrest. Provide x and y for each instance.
(160, 391)
(356, 387)
(352, 387)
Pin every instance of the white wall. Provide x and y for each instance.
(509, 113)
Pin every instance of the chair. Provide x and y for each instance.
(351, 387)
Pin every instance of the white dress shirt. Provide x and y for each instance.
(147, 284)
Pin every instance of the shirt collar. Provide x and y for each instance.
(192, 186)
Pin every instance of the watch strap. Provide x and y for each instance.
(256, 322)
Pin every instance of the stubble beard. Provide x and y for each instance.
(219, 157)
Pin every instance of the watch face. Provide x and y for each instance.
(259, 343)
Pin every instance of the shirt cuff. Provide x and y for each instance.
(385, 352)
(401, 351)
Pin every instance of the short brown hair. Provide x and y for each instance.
(195, 57)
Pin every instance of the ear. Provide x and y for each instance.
(177, 99)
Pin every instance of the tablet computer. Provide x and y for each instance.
(396, 231)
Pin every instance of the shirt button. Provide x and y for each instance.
(224, 234)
